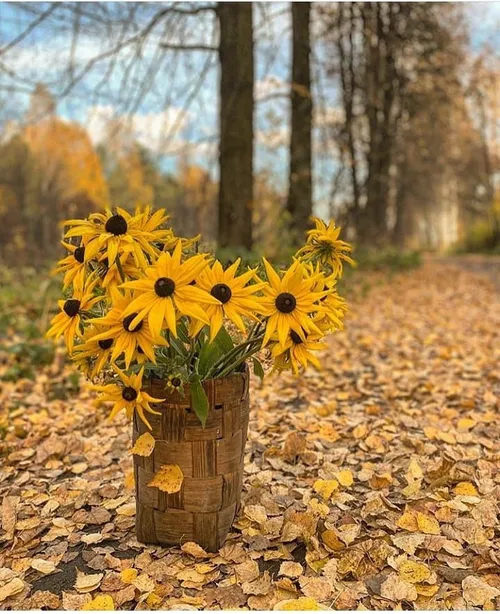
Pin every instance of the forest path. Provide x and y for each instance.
(401, 426)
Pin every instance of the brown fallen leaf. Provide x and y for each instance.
(43, 566)
(477, 592)
(11, 588)
(396, 589)
(290, 569)
(86, 583)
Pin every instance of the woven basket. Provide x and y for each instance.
(211, 460)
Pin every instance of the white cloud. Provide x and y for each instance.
(158, 132)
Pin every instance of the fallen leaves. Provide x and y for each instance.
(354, 495)
(168, 478)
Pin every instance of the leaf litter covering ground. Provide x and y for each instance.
(373, 484)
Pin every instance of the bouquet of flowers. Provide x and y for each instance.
(140, 302)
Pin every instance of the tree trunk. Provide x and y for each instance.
(236, 124)
(380, 83)
(299, 203)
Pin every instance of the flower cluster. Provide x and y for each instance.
(140, 300)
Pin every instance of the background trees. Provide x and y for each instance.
(228, 115)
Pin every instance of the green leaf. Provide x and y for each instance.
(257, 368)
(224, 340)
(199, 400)
(209, 354)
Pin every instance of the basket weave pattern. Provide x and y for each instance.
(211, 460)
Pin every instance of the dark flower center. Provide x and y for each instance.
(164, 287)
(295, 337)
(116, 225)
(140, 350)
(175, 381)
(285, 302)
(221, 292)
(105, 344)
(129, 393)
(71, 307)
(79, 254)
(128, 321)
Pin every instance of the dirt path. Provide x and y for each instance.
(372, 484)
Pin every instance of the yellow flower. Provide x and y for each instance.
(128, 396)
(111, 276)
(297, 352)
(333, 306)
(289, 303)
(323, 243)
(126, 335)
(234, 294)
(85, 353)
(67, 323)
(166, 292)
(73, 266)
(117, 233)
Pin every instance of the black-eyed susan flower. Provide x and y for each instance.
(128, 395)
(236, 298)
(175, 383)
(126, 336)
(289, 302)
(333, 306)
(117, 233)
(297, 352)
(324, 245)
(166, 292)
(92, 355)
(73, 265)
(67, 322)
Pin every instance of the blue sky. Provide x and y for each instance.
(170, 97)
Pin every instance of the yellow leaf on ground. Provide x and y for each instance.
(427, 590)
(427, 524)
(345, 478)
(318, 507)
(325, 488)
(128, 575)
(296, 605)
(414, 471)
(465, 424)
(465, 489)
(99, 603)
(194, 550)
(332, 541)
(144, 445)
(153, 599)
(168, 479)
(414, 572)
(408, 521)
(129, 480)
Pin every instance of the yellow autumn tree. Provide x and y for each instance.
(68, 163)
